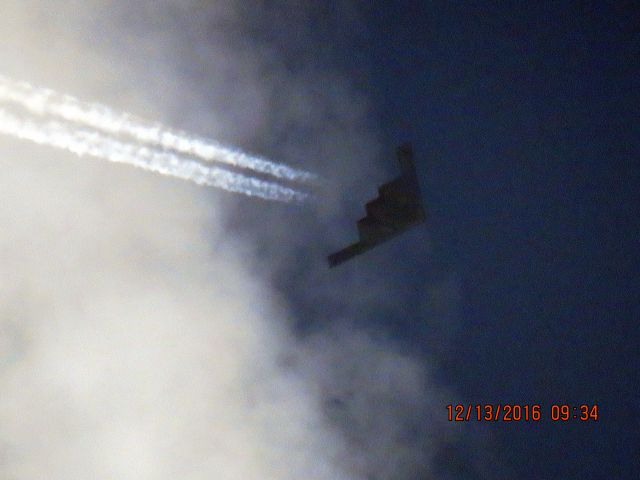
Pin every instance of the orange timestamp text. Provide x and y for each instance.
(516, 412)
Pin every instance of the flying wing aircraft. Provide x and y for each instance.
(397, 208)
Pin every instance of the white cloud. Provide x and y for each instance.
(136, 340)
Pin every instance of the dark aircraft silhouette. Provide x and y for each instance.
(397, 208)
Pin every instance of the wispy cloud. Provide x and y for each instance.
(141, 339)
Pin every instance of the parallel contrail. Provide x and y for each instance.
(43, 101)
(85, 142)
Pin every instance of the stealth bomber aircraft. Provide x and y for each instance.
(397, 208)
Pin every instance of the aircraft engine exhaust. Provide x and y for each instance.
(85, 142)
(43, 101)
(64, 122)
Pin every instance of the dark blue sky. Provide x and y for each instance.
(524, 119)
(526, 122)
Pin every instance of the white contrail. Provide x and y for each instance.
(85, 142)
(44, 101)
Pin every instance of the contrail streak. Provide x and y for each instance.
(43, 101)
(91, 143)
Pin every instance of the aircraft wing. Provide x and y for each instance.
(397, 208)
(348, 253)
